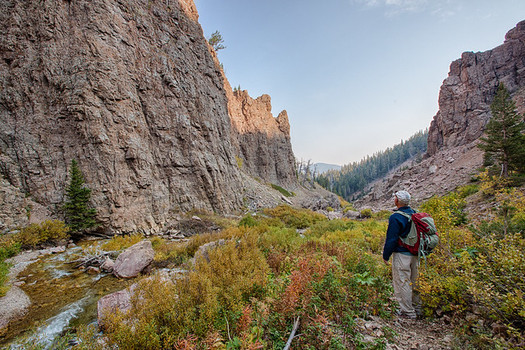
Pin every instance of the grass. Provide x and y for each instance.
(282, 190)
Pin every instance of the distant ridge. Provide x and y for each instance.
(321, 168)
(353, 178)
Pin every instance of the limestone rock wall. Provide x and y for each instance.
(130, 90)
(468, 91)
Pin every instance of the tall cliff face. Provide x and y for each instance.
(464, 110)
(130, 90)
(261, 141)
(468, 91)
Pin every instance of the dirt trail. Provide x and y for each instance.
(408, 334)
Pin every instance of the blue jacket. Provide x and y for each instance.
(397, 225)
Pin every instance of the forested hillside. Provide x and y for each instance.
(354, 177)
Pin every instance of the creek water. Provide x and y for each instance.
(61, 297)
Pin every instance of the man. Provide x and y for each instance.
(404, 264)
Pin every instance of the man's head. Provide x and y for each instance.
(402, 198)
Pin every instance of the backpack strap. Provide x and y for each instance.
(407, 215)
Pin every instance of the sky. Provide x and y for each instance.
(355, 76)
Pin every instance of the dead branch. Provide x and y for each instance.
(292, 335)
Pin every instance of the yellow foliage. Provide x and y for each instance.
(122, 242)
(166, 312)
(178, 252)
(490, 184)
(293, 217)
(369, 235)
(47, 231)
(246, 293)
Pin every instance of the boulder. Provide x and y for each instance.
(332, 215)
(107, 265)
(13, 306)
(110, 303)
(134, 260)
(352, 214)
(203, 251)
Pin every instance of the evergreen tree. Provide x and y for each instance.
(216, 41)
(354, 177)
(504, 142)
(79, 216)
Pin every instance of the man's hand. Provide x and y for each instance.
(386, 261)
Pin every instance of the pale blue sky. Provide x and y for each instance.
(356, 76)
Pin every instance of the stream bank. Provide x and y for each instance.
(60, 294)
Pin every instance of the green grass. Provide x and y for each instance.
(282, 190)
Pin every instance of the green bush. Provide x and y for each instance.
(4, 271)
(8, 247)
(382, 214)
(447, 211)
(248, 220)
(467, 190)
(366, 213)
(322, 227)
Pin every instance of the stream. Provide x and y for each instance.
(61, 297)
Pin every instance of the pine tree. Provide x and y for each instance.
(79, 216)
(216, 41)
(504, 142)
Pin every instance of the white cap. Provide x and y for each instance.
(403, 197)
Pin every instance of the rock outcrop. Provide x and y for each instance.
(468, 91)
(133, 92)
(262, 142)
(464, 110)
(134, 260)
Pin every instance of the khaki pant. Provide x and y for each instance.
(404, 276)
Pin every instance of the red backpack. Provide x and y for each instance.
(422, 236)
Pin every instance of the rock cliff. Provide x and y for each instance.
(464, 110)
(468, 91)
(131, 90)
(261, 141)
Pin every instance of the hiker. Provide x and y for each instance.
(404, 264)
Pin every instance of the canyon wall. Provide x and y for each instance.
(464, 110)
(468, 91)
(261, 141)
(131, 91)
